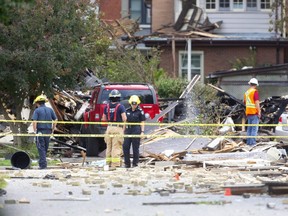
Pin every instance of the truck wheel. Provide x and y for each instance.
(92, 147)
(95, 146)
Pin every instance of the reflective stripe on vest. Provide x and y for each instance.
(250, 103)
(115, 112)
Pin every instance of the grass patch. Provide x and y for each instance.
(3, 183)
(7, 163)
(10, 149)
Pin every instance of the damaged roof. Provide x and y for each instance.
(280, 69)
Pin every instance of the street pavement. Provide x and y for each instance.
(141, 191)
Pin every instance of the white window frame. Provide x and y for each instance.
(251, 8)
(238, 2)
(224, 9)
(268, 9)
(244, 8)
(211, 9)
(201, 54)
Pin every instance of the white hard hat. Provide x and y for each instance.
(253, 81)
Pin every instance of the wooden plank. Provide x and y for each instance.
(221, 202)
(205, 34)
(241, 189)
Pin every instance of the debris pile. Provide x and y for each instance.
(162, 143)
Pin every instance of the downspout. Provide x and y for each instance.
(284, 19)
(277, 52)
(189, 55)
(174, 57)
(276, 30)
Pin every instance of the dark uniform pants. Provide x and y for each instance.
(42, 143)
(135, 146)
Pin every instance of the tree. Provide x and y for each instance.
(279, 17)
(7, 7)
(47, 44)
(133, 64)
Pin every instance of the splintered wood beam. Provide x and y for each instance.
(108, 30)
(205, 34)
(122, 27)
(56, 110)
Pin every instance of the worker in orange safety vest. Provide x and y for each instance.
(253, 111)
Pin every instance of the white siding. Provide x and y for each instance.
(241, 22)
(233, 22)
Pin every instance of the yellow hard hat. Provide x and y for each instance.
(134, 99)
(40, 98)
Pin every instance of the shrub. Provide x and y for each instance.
(168, 87)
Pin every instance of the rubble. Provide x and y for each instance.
(178, 158)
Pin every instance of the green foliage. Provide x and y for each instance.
(7, 8)
(48, 43)
(131, 65)
(278, 17)
(205, 106)
(239, 63)
(168, 87)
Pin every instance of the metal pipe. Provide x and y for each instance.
(189, 55)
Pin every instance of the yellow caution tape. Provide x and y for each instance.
(145, 136)
(145, 123)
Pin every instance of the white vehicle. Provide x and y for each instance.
(282, 129)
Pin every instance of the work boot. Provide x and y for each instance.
(127, 165)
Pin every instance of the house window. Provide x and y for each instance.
(224, 4)
(251, 4)
(265, 4)
(238, 4)
(140, 11)
(211, 4)
(196, 64)
(243, 5)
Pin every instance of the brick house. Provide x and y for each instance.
(111, 9)
(244, 33)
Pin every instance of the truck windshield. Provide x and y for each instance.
(145, 96)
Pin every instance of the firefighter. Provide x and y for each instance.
(114, 113)
(253, 111)
(134, 115)
(43, 113)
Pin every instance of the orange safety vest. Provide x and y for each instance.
(250, 102)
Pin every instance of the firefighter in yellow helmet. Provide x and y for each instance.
(43, 113)
(40, 98)
(134, 115)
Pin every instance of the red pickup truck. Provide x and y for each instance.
(99, 99)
